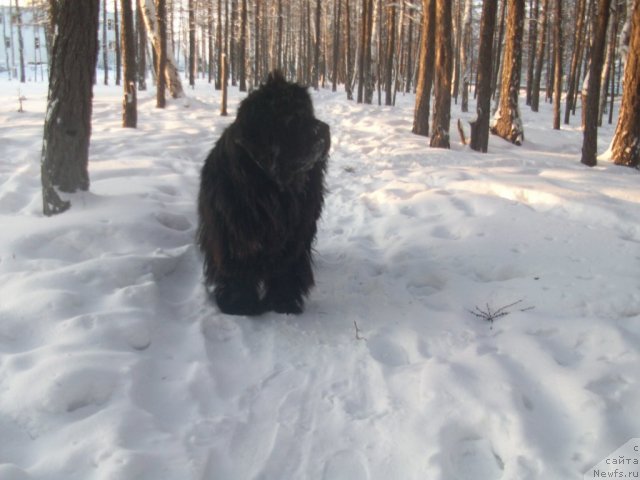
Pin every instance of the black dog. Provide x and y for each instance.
(261, 194)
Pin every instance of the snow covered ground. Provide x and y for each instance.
(113, 364)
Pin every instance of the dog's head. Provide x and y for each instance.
(277, 128)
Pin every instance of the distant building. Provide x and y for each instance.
(31, 23)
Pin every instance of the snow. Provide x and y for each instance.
(114, 365)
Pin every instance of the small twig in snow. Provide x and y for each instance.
(490, 315)
(358, 337)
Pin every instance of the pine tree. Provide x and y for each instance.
(590, 134)
(67, 128)
(508, 122)
(626, 140)
(129, 103)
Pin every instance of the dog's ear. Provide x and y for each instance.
(275, 76)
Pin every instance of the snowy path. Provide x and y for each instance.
(113, 365)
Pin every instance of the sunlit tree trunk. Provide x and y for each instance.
(422, 109)
(508, 122)
(443, 70)
(626, 140)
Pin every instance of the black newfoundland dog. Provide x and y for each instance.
(261, 194)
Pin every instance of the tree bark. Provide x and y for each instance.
(542, 46)
(442, 84)
(161, 51)
(480, 127)
(465, 55)
(116, 43)
(557, 40)
(590, 134)
(391, 50)
(129, 103)
(105, 43)
(422, 109)
(508, 122)
(171, 75)
(578, 45)
(142, 48)
(533, 38)
(242, 47)
(626, 140)
(192, 43)
(67, 128)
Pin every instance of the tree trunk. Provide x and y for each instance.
(557, 75)
(626, 140)
(442, 84)
(192, 43)
(465, 55)
(391, 49)
(508, 122)
(116, 43)
(422, 109)
(575, 58)
(219, 47)
(242, 48)
(533, 38)
(316, 48)
(257, 51)
(23, 77)
(105, 43)
(590, 135)
(608, 68)
(67, 128)
(161, 51)
(129, 103)
(498, 48)
(142, 48)
(337, 12)
(480, 127)
(542, 47)
(171, 75)
(349, 80)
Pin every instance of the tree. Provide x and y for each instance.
(578, 45)
(480, 127)
(152, 23)
(67, 128)
(391, 48)
(426, 66)
(508, 123)
(557, 75)
(161, 52)
(192, 43)
(116, 28)
(465, 55)
(105, 43)
(316, 50)
(242, 47)
(625, 148)
(590, 134)
(542, 47)
(533, 39)
(129, 103)
(141, 63)
(20, 42)
(442, 84)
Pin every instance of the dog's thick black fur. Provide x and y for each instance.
(261, 194)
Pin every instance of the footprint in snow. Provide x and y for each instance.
(469, 456)
(346, 465)
(386, 351)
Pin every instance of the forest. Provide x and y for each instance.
(570, 53)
